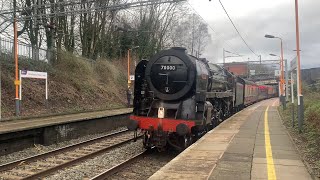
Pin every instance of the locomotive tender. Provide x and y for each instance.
(178, 98)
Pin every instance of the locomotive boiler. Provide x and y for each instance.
(179, 97)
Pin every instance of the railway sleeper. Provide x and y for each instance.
(22, 171)
(9, 176)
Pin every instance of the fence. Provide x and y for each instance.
(24, 50)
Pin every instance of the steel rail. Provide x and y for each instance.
(31, 161)
(75, 161)
(56, 151)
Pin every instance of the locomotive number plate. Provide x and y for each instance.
(168, 67)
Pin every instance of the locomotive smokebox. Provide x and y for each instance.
(171, 73)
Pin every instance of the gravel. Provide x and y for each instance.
(95, 166)
(142, 169)
(39, 149)
(145, 167)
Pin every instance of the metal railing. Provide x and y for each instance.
(26, 51)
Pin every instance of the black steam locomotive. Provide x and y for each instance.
(178, 98)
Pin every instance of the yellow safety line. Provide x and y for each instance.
(270, 164)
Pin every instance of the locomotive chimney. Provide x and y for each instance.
(182, 49)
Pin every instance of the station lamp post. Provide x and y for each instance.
(280, 75)
(287, 76)
(282, 98)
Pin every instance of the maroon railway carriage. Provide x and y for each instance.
(251, 93)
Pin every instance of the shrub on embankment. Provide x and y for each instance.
(75, 84)
(308, 141)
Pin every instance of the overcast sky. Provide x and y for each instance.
(254, 19)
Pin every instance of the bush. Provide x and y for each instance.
(309, 139)
(312, 115)
(75, 84)
(70, 69)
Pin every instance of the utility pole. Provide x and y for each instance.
(16, 82)
(224, 56)
(300, 97)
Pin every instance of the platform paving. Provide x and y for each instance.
(27, 124)
(239, 149)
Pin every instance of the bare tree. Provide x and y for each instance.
(191, 32)
(69, 26)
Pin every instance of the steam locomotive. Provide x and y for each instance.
(178, 98)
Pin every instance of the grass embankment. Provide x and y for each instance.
(75, 85)
(308, 141)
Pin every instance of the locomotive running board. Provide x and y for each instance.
(219, 94)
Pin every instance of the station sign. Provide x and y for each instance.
(33, 74)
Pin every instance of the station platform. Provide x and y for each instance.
(252, 144)
(33, 123)
(16, 135)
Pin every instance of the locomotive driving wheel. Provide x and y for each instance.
(180, 143)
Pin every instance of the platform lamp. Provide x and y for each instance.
(280, 68)
(282, 97)
(287, 76)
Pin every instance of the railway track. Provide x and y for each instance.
(140, 166)
(45, 164)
